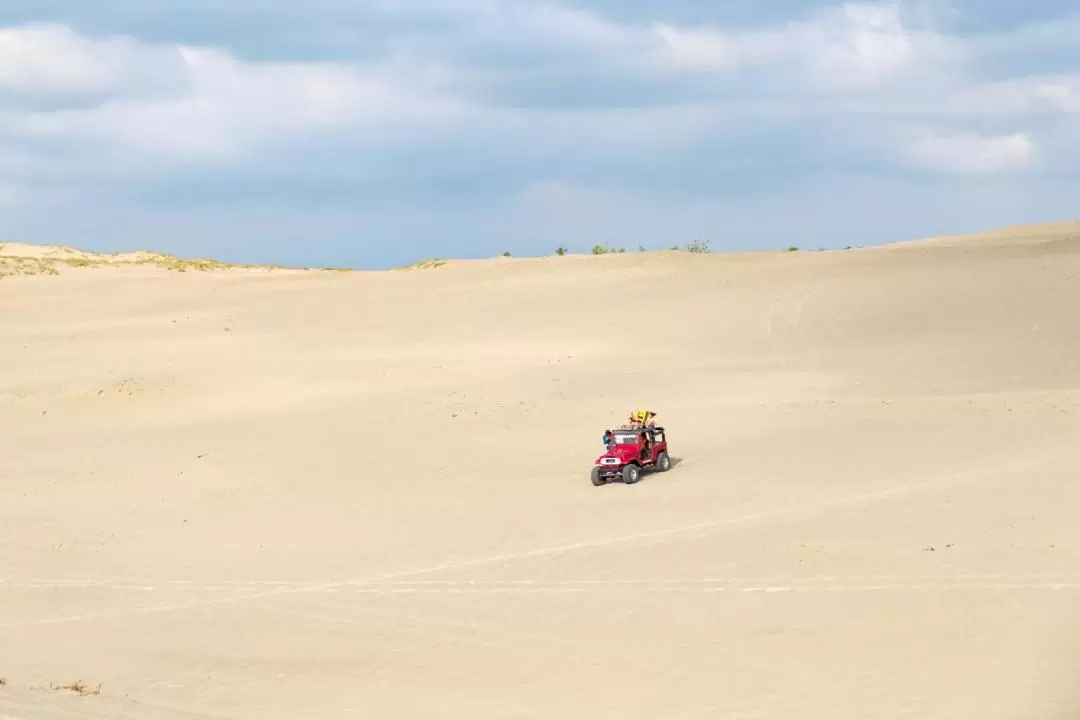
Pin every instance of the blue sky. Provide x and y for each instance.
(379, 132)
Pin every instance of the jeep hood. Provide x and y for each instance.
(622, 452)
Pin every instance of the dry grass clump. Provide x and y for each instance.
(82, 262)
(26, 266)
(176, 264)
(56, 257)
(78, 687)
(51, 264)
(426, 264)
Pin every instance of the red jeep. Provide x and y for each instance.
(627, 458)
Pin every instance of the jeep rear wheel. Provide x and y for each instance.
(663, 462)
(596, 478)
(630, 474)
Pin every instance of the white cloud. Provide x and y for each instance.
(1038, 95)
(547, 21)
(515, 23)
(853, 46)
(970, 153)
(706, 50)
(1042, 39)
(51, 59)
(863, 61)
(1063, 94)
(864, 66)
(209, 104)
(862, 44)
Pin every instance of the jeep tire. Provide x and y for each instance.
(631, 473)
(663, 462)
(596, 478)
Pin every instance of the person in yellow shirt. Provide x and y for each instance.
(642, 417)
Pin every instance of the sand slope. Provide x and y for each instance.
(290, 494)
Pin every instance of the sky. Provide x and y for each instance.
(374, 133)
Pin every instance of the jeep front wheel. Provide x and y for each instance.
(596, 478)
(630, 474)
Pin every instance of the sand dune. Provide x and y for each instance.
(299, 494)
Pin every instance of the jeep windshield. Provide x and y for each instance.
(625, 438)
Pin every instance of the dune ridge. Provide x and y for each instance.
(251, 493)
(28, 259)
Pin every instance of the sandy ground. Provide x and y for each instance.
(230, 494)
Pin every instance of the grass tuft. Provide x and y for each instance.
(78, 687)
(426, 264)
(15, 265)
(80, 262)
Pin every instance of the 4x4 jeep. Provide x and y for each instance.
(627, 459)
